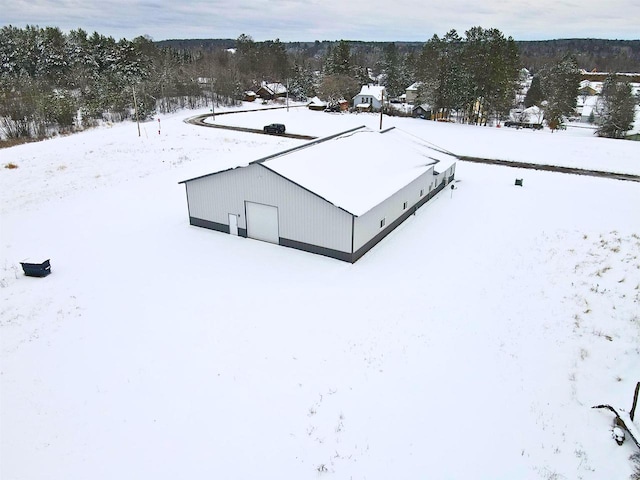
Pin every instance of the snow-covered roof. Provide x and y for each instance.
(317, 101)
(375, 91)
(358, 169)
(595, 86)
(606, 74)
(275, 88)
(414, 86)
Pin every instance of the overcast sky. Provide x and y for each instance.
(308, 20)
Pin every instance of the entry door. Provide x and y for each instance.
(233, 224)
(262, 222)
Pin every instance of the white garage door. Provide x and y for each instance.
(262, 222)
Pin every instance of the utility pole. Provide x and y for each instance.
(135, 107)
(381, 106)
(213, 112)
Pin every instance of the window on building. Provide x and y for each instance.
(404, 206)
(382, 222)
(421, 191)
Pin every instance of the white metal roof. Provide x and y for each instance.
(358, 170)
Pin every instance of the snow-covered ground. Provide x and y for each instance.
(575, 147)
(470, 343)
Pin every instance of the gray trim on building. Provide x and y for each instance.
(220, 227)
(327, 252)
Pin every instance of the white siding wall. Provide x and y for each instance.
(303, 216)
(371, 100)
(367, 226)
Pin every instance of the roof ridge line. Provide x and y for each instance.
(309, 144)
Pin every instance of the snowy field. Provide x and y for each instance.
(575, 147)
(470, 343)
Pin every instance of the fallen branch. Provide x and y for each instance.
(632, 412)
(624, 421)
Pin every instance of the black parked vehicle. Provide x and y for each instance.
(535, 126)
(277, 128)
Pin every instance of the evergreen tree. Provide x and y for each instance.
(560, 84)
(81, 65)
(301, 85)
(616, 108)
(10, 43)
(338, 60)
(273, 61)
(534, 95)
(247, 57)
(391, 65)
(493, 68)
(428, 69)
(409, 69)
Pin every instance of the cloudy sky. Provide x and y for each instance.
(308, 20)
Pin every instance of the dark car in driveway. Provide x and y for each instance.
(535, 126)
(277, 128)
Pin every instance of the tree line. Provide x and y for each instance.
(590, 53)
(55, 82)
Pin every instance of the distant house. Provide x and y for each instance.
(526, 118)
(370, 98)
(411, 93)
(422, 111)
(591, 88)
(249, 96)
(269, 91)
(321, 198)
(317, 104)
(586, 108)
(588, 88)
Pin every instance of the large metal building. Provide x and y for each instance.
(336, 196)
